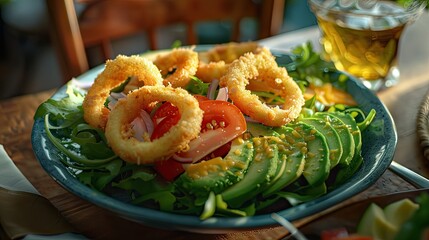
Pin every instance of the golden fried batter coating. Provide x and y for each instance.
(262, 67)
(214, 63)
(178, 66)
(229, 52)
(120, 136)
(115, 73)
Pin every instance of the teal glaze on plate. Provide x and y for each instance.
(377, 150)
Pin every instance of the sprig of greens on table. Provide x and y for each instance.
(398, 220)
(84, 150)
(408, 2)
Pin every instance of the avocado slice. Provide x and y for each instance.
(344, 133)
(353, 128)
(291, 152)
(317, 163)
(346, 171)
(217, 174)
(332, 138)
(260, 130)
(259, 174)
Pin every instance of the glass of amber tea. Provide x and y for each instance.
(361, 37)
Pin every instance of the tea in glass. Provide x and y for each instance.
(361, 37)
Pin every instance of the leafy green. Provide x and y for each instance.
(146, 188)
(307, 66)
(63, 108)
(196, 86)
(209, 207)
(268, 97)
(121, 87)
(176, 44)
(72, 152)
(407, 3)
(102, 176)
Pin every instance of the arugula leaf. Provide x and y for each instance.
(196, 86)
(102, 176)
(121, 87)
(61, 109)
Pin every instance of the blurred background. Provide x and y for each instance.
(29, 58)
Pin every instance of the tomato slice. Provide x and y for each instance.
(169, 169)
(222, 122)
(201, 98)
(162, 127)
(165, 110)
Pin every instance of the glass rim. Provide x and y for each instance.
(415, 8)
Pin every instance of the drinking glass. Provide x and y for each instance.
(361, 37)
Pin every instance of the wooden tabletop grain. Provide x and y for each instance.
(403, 101)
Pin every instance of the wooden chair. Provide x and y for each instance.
(102, 21)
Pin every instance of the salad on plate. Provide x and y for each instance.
(231, 131)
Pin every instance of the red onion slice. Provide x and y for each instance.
(117, 96)
(182, 159)
(222, 94)
(139, 128)
(112, 103)
(148, 121)
(249, 119)
(212, 89)
(141, 125)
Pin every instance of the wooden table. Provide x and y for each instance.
(403, 101)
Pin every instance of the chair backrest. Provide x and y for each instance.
(102, 21)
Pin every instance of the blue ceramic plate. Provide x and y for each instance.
(377, 150)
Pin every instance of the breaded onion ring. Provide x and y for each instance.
(115, 73)
(263, 67)
(228, 52)
(214, 62)
(120, 136)
(182, 63)
(208, 71)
